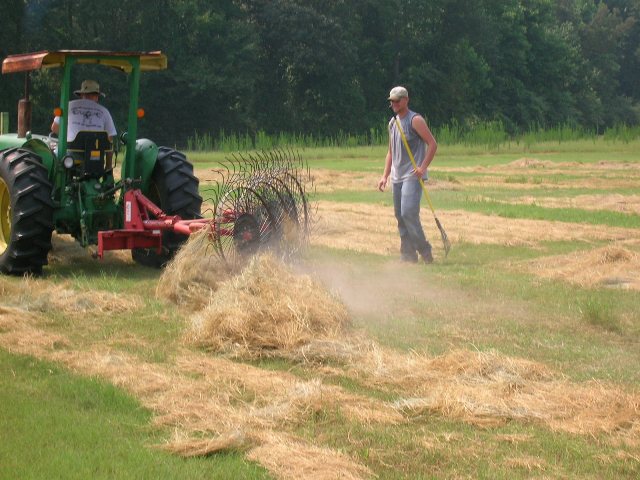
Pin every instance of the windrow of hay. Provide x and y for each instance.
(517, 181)
(193, 274)
(527, 162)
(561, 167)
(611, 202)
(611, 266)
(267, 307)
(341, 225)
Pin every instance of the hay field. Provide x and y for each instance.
(515, 357)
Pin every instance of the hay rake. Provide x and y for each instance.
(260, 203)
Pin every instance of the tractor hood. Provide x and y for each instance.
(26, 62)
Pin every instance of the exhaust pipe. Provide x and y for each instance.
(24, 110)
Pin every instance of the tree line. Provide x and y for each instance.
(324, 67)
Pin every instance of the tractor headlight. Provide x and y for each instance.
(67, 161)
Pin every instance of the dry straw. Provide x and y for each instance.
(488, 388)
(193, 274)
(268, 308)
(481, 388)
(289, 457)
(38, 295)
(611, 266)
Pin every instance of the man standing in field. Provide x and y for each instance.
(405, 178)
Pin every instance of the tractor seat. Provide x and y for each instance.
(89, 150)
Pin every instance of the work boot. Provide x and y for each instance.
(407, 251)
(426, 255)
(407, 257)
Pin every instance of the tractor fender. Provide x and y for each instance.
(35, 144)
(145, 158)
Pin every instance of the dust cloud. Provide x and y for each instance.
(374, 292)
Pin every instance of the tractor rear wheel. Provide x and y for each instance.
(26, 212)
(174, 188)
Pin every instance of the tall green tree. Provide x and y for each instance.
(308, 79)
(602, 38)
(11, 41)
(325, 66)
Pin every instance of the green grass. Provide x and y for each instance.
(433, 447)
(601, 312)
(56, 425)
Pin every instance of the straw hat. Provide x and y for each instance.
(89, 86)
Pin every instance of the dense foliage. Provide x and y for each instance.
(323, 67)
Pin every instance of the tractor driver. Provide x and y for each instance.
(86, 113)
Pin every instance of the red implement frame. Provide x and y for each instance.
(142, 231)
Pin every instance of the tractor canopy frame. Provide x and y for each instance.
(129, 62)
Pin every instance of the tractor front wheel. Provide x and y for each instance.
(174, 188)
(26, 212)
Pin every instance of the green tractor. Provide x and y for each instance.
(49, 184)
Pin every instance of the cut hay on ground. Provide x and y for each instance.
(193, 274)
(326, 181)
(611, 266)
(265, 308)
(487, 388)
(527, 162)
(185, 446)
(610, 202)
(38, 295)
(372, 228)
(531, 173)
(9, 288)
(288, 457)
(217, 404)
(212, 404)
(19, 333)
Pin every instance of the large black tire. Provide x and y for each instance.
(174, 188)
(26, 212)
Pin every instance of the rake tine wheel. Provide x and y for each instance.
(260, 204)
